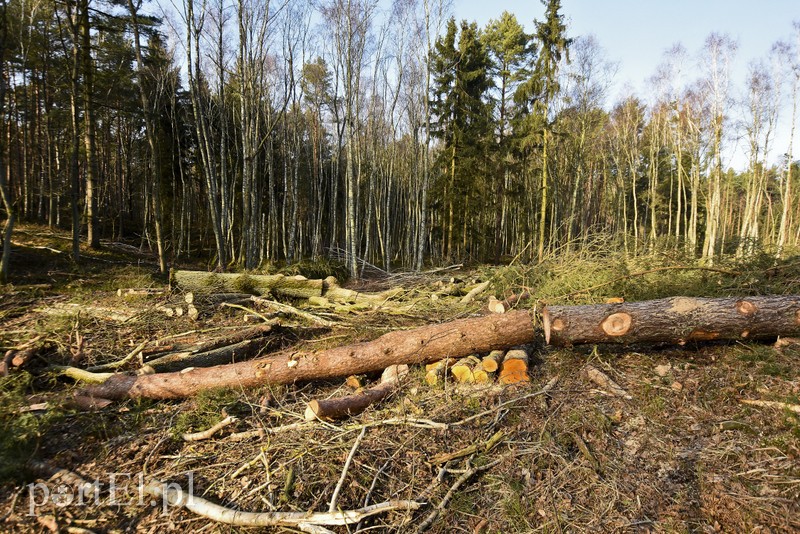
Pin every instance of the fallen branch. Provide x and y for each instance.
(772, 404)
(120, 363)
(285, 308)
(328, 409)
(5, 365)
(434, 515)
(208, 433)
(44, 469)
(474, 292)
(177, 361)
(175, 496)
(604, 381)
(417, 346)
(490, 444)
(82, 375)
(335, 498)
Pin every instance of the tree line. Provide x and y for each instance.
(256, 131)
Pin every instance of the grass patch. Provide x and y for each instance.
(20, 431)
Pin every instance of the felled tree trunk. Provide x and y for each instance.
(356, 403)
(673, 320)
(203, 283)
(418, 346)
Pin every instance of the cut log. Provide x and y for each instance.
(166, 310)
(515, 367)
(97, 312)
(491, 363)
(673, 320)
(437, 371)
(329, 409)
(463, 370)
(495, 306)
(422, 345)
(205, 283)
(219, 298)
(502, 306)
(335, 293)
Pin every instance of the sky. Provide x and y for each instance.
(636, 33)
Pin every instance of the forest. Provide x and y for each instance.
(250, 133)
(335, 266)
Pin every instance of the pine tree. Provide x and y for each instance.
(537, 93)
(462, 122)
(509, 48)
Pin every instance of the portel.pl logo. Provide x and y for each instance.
(118, 489)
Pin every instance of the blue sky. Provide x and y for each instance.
(635, 35)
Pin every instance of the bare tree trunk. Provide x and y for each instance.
(5, 193)
(89, 136)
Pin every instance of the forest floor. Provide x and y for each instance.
(683, 454)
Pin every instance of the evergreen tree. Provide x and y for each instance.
(509, 48)
(536, 95)
(463, 123)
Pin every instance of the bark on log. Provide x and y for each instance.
(329, 409)
(204, 283)
(418, 346)
(178, 361)
(673, 320)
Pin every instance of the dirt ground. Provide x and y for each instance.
(681, 454)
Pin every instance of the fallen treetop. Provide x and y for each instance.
(417, 346)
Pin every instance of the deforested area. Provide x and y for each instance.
(377, 267)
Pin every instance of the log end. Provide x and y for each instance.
(546, 325)
(514, 371)
(496, 306)
(462, 374)
(489, 365)
(311, 411)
